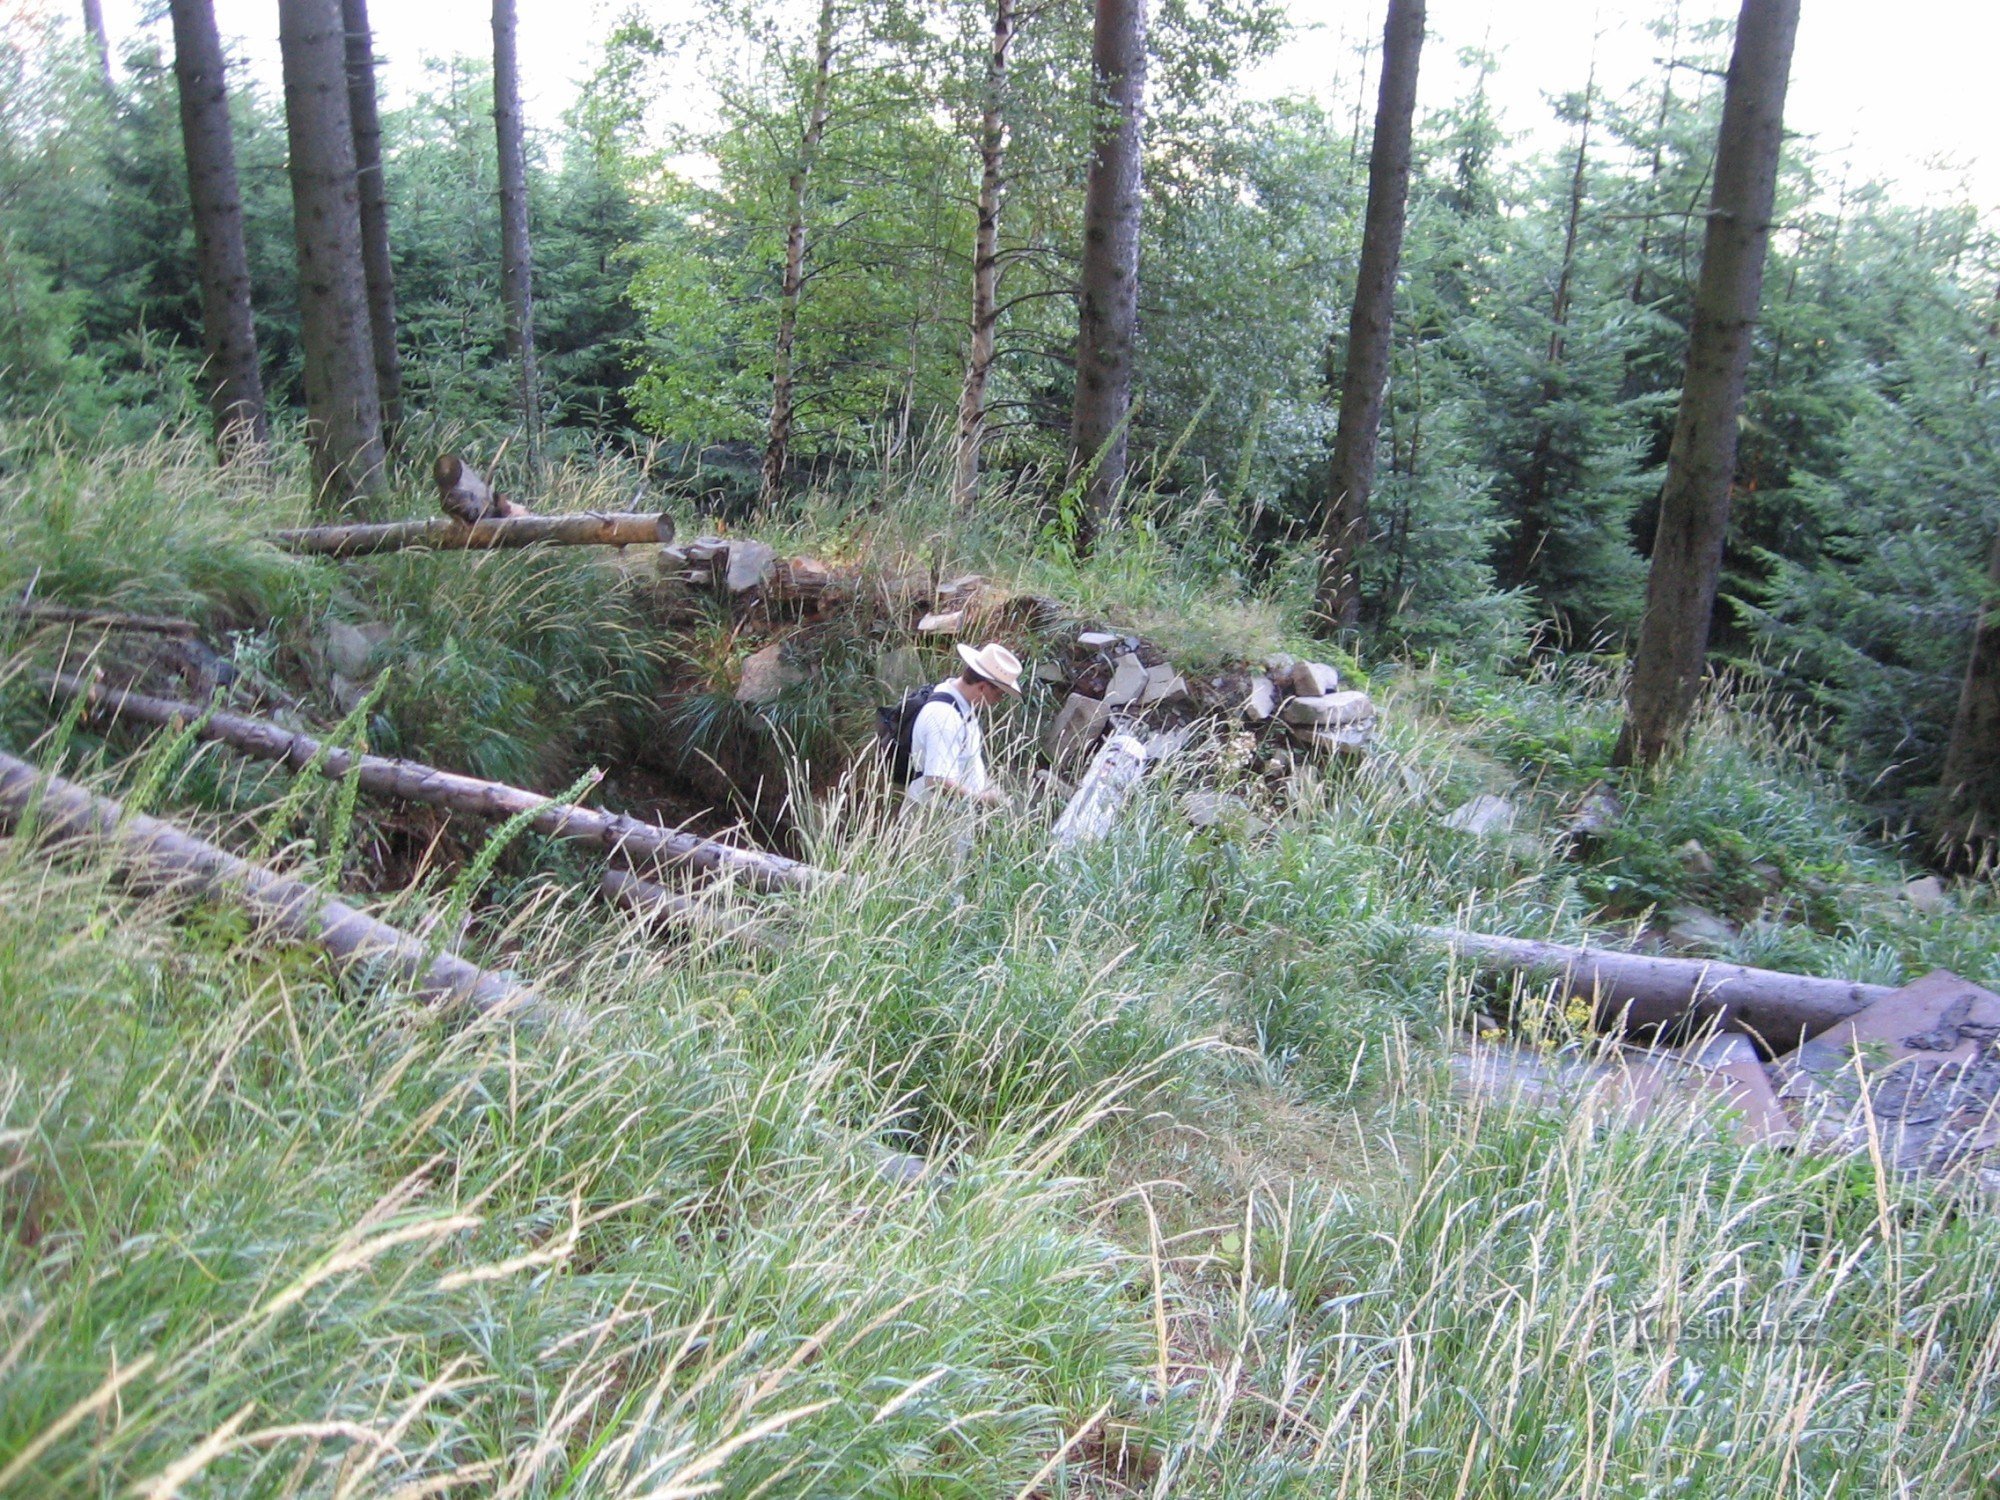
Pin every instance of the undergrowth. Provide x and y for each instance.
(1134, 1169)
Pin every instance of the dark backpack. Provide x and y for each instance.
(896, 726)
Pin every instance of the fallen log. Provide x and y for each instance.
(415, 782)
(104, 619)
(153, 855)
(647, 898)
(1636, 990)
(442, 534)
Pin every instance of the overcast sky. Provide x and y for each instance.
(1904, 90)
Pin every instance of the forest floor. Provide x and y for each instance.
(1139, 1170)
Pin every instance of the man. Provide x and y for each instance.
(947, 756)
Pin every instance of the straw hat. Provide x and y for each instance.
(995, 663)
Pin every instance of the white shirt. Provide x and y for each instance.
(945, 741)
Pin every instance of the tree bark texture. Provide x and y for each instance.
(442, 534)
(1108, 301)
(1371, 322)
(155, 856)
(1968, 825)
(985, 258)
(1633, 990)
(229, 332)
(343, 404)
(414, 782)
(100, 41)
(778, 438)
(517, 261)
(1701, 462)
(363, 109)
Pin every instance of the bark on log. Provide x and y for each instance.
(582, 529)
(648, 898)
(156, 856)
(1632, 990)
(414, 782)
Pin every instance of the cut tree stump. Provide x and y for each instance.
(415, 782)
(153, 855)
(441, 534)
(1636, 990)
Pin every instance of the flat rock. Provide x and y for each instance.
(750, 564)
(1128, 681)
(1097, 640)
(1163, 685)
(959, 590)
(1598, 813)
(1940, 1017)
(1312, 679)
(1483, 816)
(350, 648)
(1695, 927)
(1328, 711)
(1915, 1076)
(766, 674)
(1051, 671)
(1726, 1066)
(1926, 894)
(1075, 728)
(1696, 860)
(1260, 701)
(1349, 739)
(946, 623)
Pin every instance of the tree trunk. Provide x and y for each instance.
(1968, 822)
(343, 405)
(1108, 307)
(100, 41)
(1701, 462)
(517, 263)
(156, 856)
(1338, 599)
(229, 333)
(778, 441)
(442, 534)
(414, 782)
(375, 262)
(985, 258)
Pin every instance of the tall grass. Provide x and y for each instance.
(1129, 1170)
